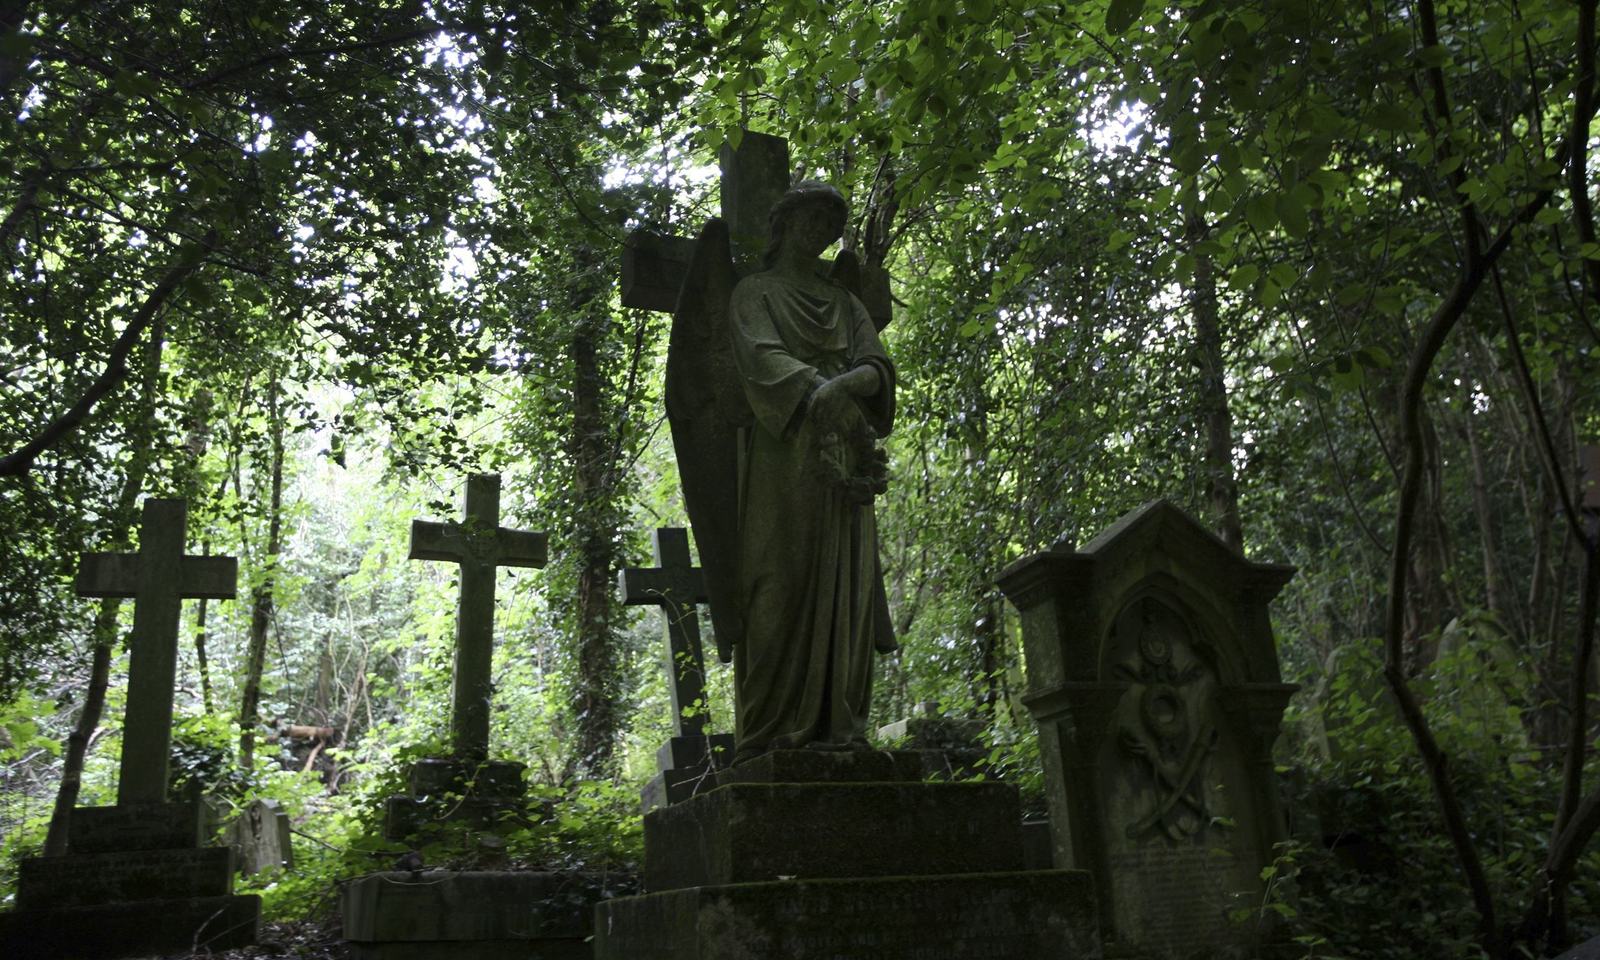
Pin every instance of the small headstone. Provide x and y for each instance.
(262, 837)
(135, 879)
(678, 588)
(1154, 679)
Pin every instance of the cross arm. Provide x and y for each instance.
(661, 587)
(653, 268)
(431, 540)
(522, 548)
(117, 575)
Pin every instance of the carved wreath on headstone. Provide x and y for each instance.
(1160, 737)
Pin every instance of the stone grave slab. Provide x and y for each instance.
(140, 928)
(136, 879)
(136, 826)
(85, 879)
(454, 915)
(1154, 678)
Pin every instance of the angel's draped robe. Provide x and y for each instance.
(810, 584)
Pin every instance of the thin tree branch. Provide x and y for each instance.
(19, 462)
(1541, 429)
(1578, 143)
(302, 53)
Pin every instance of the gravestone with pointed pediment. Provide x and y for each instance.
(137, 878)
(679, 588)
(1154, 678)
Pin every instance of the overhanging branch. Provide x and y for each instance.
(116, 370)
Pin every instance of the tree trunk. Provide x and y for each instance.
(594, 466)
(1222, 490)
(1493, 579)
(261, 597)
(104, 636)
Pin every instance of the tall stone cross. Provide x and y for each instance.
(158, 578)
(754, 175)
(677, 587)
(480, 545)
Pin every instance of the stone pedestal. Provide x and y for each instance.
(824, 856)
(1154, 679)
(134, 882)
(951, 747)
(447, 791)
(437, 915)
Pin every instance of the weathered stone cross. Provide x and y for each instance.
(754, 175)
(480, 545)
(677, 587)
(158, 578)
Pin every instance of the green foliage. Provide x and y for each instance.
(1368, 873)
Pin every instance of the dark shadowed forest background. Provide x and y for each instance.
(1324, 274)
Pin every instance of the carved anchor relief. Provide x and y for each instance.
(1161, 739)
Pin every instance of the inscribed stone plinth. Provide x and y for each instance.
(818, 855)
(444, 915)
(135, 879)
(1154, 679)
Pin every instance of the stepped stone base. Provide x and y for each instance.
(137, 929)
(1039, 915)
(823, 855)
(827, 766)
(439, 915)
(687, 766)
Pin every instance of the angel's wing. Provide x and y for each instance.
(706, 407)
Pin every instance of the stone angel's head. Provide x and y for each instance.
(811, 214)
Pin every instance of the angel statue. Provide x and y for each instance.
(778, 390)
